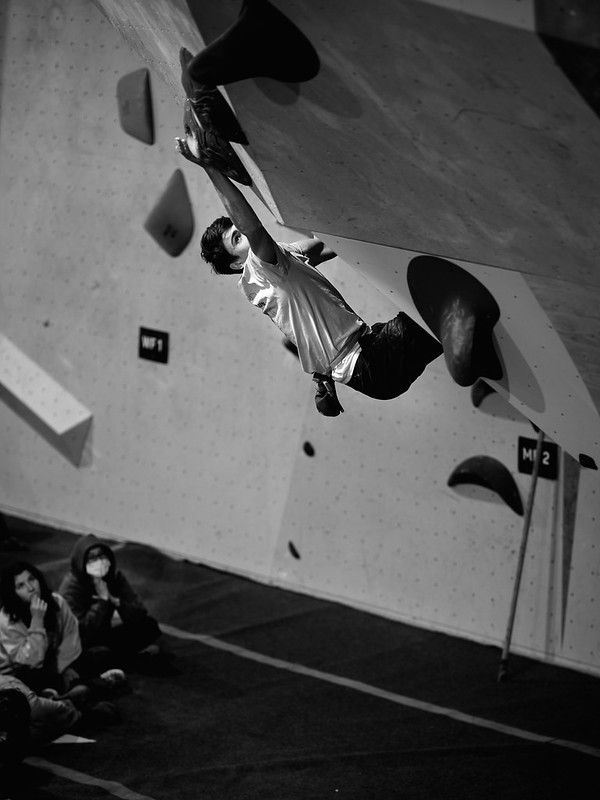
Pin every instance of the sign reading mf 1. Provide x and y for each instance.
(549, 460)
(154, 345)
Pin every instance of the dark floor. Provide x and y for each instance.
(229, 727)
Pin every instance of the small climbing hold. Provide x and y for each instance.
(293, 550)
(587, 461)
(289, 345)
(308, 449)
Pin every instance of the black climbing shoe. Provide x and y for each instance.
(210, 149)
(326, 399)
(210, 107)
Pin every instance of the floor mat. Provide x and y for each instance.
(230, 726)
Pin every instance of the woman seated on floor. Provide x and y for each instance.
(112, 618)
(40, 644)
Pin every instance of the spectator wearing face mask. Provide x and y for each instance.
(114, 624)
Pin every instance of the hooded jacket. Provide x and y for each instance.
(94, 614)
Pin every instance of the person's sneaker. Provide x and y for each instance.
(79, 695)
(48, 693)
(114, 678)
(151, 650)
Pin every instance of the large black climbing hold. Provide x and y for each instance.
(263, 42)
(135, 105)
(479, 391)
(461, 312)
(171, 221)
(209, 105)
(492, 474)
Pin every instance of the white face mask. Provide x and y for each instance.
(98, 567)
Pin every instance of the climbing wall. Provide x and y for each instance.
(218, 454)
(179, 453)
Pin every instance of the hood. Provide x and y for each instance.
(79, 553)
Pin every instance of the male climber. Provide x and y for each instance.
(282, 280)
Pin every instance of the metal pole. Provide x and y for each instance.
(503, 670)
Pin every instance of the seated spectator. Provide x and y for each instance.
(14, 724)
(47, 718)
(39, 635)
(40, 643)
(111, 615)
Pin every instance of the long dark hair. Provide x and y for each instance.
(14, 607)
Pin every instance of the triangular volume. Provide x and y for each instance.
(135, 105)
(171, 221)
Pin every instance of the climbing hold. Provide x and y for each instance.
(492, 474)
(292, 549)
(308, 449)
(461, 312)
(479, 391)
(209, 104)
(171, 221)
(135, 105)
(587, 461)
(289, 345)
(263, 42)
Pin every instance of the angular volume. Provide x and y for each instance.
(42, 403)
(135, 105)
(171, 221)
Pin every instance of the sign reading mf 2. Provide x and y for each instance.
(153, 345)
(549, 460)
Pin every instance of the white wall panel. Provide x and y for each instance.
(182, 453)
